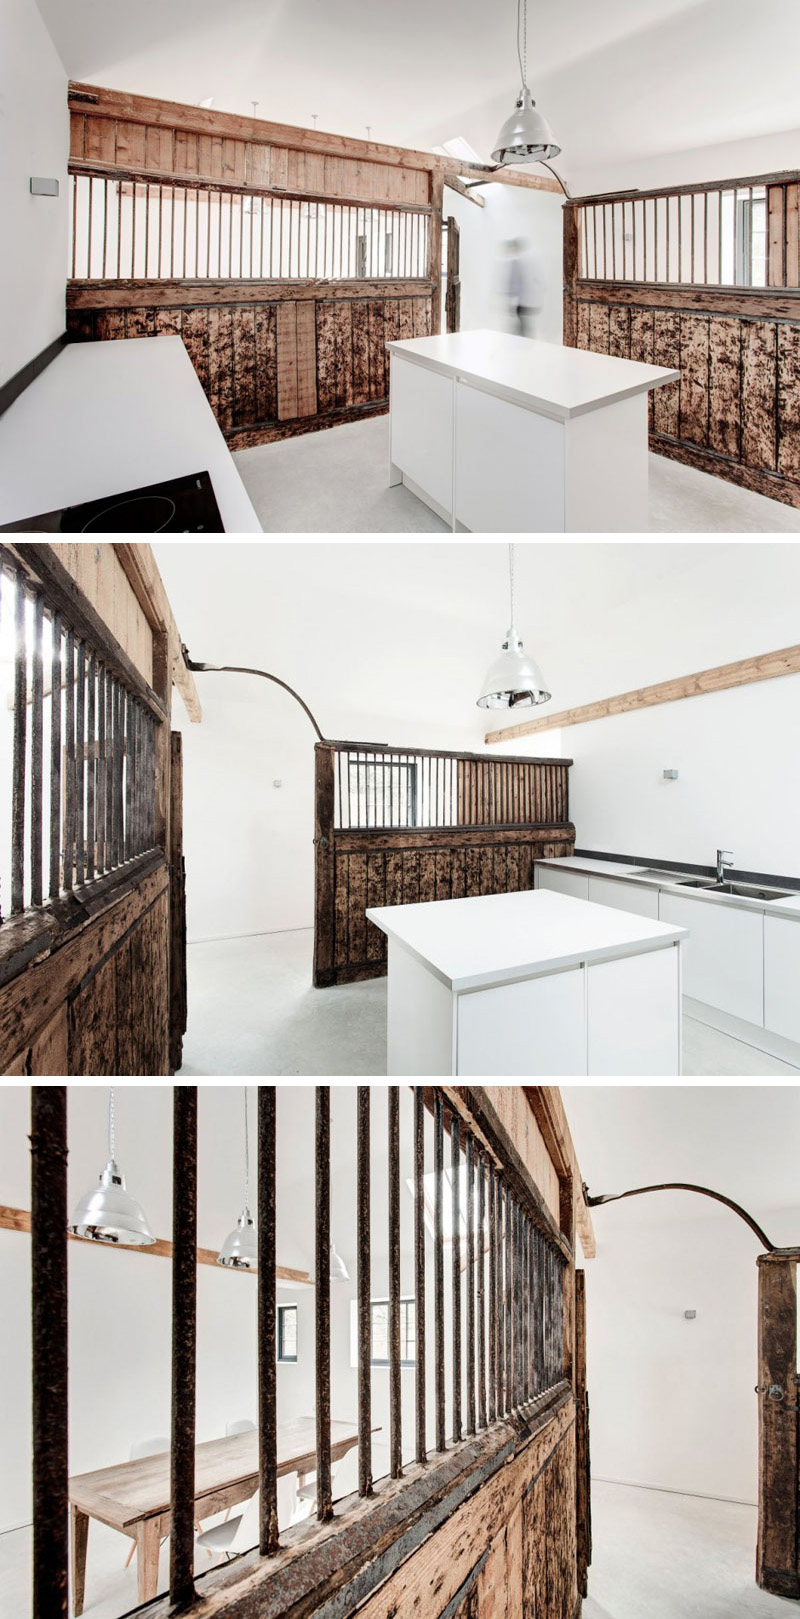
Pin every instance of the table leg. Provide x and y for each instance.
(80, 1537)
(148, 1546)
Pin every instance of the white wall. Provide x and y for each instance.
(738, 757)
(728, 160)
(510, 212)
(34, 140)
(671, 1401)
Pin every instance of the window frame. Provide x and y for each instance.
(281, 1358)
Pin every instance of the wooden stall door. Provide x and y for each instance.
(453, 294)
(778, 1554)
(583, 1495)
(177, 906)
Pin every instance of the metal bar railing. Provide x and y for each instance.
(384, 788)
(134, 229)
(469, 1156)
(268, 1533)
(731, 235)
(481, 1300)
(438, 1266)
(184, 1346)
(49, 1347)
(419, 1268)
(455, 1158)
(96, 810)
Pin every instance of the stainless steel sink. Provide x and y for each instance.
(751, 891)
(696, 882)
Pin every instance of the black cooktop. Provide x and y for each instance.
(179, 506)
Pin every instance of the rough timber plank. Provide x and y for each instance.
(694, 395)
(777, 1553)
(666, 351)
(788, 361)
(287, 361)
(725, 421)
(759, 427)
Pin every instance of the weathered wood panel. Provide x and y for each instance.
(736, 410)
(777, 1556)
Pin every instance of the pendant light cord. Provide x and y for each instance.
(111, 1125)
(522, 53)
(246, 1154)
(511, 581)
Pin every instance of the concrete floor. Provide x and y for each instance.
(334, 482)
(656, 1556)
(253, 1011)
(663, 1556)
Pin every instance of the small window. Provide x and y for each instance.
(382, 792)
(380, 1333)
(287, 1332)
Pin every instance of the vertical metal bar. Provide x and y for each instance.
(80, 765)
(469, 1148)
(55, 759)
(75, 182)
(438, 1260)
(323, 1301)
(128, 759)
(508, 1303)
(19, 753)
(526, 1273)
(492, 1367)
(395, 1407)
(69, 762)
(119, 750)
(455, 1162)
(37, 748)
(481, 1317)
(49, 1358)
(419, 1265)
(364, 1297)
(109, 771)
(268, 1537)
(146, 229)
(184, 1344)
(89, 229)
(133, 230)
(719, 240)
(90, 767)
(105, 225)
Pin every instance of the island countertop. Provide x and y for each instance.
(550, 378)
(495, 939)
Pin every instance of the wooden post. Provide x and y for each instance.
(583, 1497)
(571, 273)
(435, 252)
(177, 907)
(777, 1567)
(453, 294)
(324, 969)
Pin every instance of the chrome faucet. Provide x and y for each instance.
(724, 858)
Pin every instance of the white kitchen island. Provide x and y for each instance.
(530, 983)
(503, 434)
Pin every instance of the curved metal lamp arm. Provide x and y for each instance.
(238, 669)
(687, 1186)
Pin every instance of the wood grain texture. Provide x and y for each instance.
(746, 671)
(759, 424)
(777, 1567)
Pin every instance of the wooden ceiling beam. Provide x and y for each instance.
(746, 672)
(145, 581)
(453, 183)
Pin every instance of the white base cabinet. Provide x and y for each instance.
(782, 976)
(624, 896)
(574, 883)
(723, 962)
(631, 1018)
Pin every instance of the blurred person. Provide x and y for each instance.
(522, 289)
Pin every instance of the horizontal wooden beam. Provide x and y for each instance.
(783, 177)
(139, 566)
(170, 294)
(454, 184)
(19, 1220)
(488, 175)
(200, 180)
(770, 666)
(754, 303)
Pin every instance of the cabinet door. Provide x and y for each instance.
(634, 1016)
(536, 1027)
(723, 958)
(624, 896)
(782, 976)
(575, 883)
(509, 466)
(421, 428)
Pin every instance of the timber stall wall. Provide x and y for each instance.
(705, 280)
(397, 826)
(93, 923)
(286, 259)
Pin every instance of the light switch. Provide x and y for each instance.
(43, 188)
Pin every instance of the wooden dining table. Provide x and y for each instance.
(134, 1497)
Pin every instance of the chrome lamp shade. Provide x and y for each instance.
(526, 137)
(514, 679)
(338, 1268)
(109, 1214)
(239, 1251)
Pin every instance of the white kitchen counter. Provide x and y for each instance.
(506, 434)
(530, 983)
(636, 874)
(110, 416)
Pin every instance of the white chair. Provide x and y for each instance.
(229, 1537)
(145, 1447)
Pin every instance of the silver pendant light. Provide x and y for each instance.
(108, 1213)
(239, 1251)
(514, 679)
(526, 137)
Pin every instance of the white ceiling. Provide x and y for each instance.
(738, 1140)
(639, 77)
